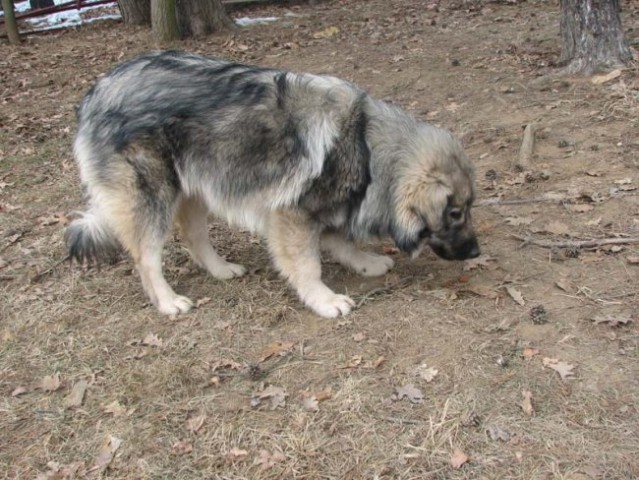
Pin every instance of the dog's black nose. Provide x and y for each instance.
(474, 252)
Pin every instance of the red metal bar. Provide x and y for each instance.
(73, 5)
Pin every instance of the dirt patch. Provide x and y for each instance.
(519, 391)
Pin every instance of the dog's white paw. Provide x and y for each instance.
(174, 305)
(371, 264)
(330, 304)
(227, 271)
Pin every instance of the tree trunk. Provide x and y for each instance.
(135, 12)
(198, 18)
(10, 23)
(592, 36)
(164, 20)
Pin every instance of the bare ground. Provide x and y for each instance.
(179, 402)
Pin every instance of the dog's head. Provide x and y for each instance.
(433, 195)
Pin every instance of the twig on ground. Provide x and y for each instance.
(486, 202)
(496, 201)
(377, 291)
(39, 275)
(405, 421)
(597, 242)
(526, 150)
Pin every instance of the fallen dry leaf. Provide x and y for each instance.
(483, 291)
(632, 260)
(526, 403)
(202, 301)
(268, 460)
(497, 433)
(516, 295)
(76, 397)
(562, 368)
(564, 284)
(152, 340)
(51, 383)
(409, 391)
(326, 33)
(194, 424)
(323, 394)
(426, 373)
(182, 447)
(458, 458)
(613, 320)
(481, 261)
(358, 337)
(275, 349)
(354, 362)
(310, 403)
(18, 391)
(378, 361)
(529, 353)
(236, 453)
(106, 454)
(61, 472)
(276, 395)
(115, 409)
(225, 364)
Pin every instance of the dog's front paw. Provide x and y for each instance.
(228, 270)
(372, 265)
(329, 304)
(174, 305)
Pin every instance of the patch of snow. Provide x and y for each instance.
(246, 21)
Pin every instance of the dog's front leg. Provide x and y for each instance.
(294, 242)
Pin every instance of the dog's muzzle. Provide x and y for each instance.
(467, 248)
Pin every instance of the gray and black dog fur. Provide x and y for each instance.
(309, 162)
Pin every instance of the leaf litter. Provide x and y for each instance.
(425, 372)
(410, 392)
(276, 397)
(564, 369)
(458, 458)
(105, 456)
(76, 397)
(51, 383)
(276, 349)
(268, 460)
(526, 403)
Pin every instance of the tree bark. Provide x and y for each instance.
(592, 36)
(10, 24)
(164, 20)
(198, 18)
(135, 12)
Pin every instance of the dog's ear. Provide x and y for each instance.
(419, 207)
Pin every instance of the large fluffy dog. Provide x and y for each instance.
(310, 162)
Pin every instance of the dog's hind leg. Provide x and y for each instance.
(191, 217)
(294, 242)
(137, 199)
(347, 253)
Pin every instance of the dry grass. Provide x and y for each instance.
(89, 325)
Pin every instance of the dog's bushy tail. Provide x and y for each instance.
(90, 240)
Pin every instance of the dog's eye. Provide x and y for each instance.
(455, 214)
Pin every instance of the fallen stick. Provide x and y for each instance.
(600, 242)
(487, 202)
(516, 201)
(526, 149)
